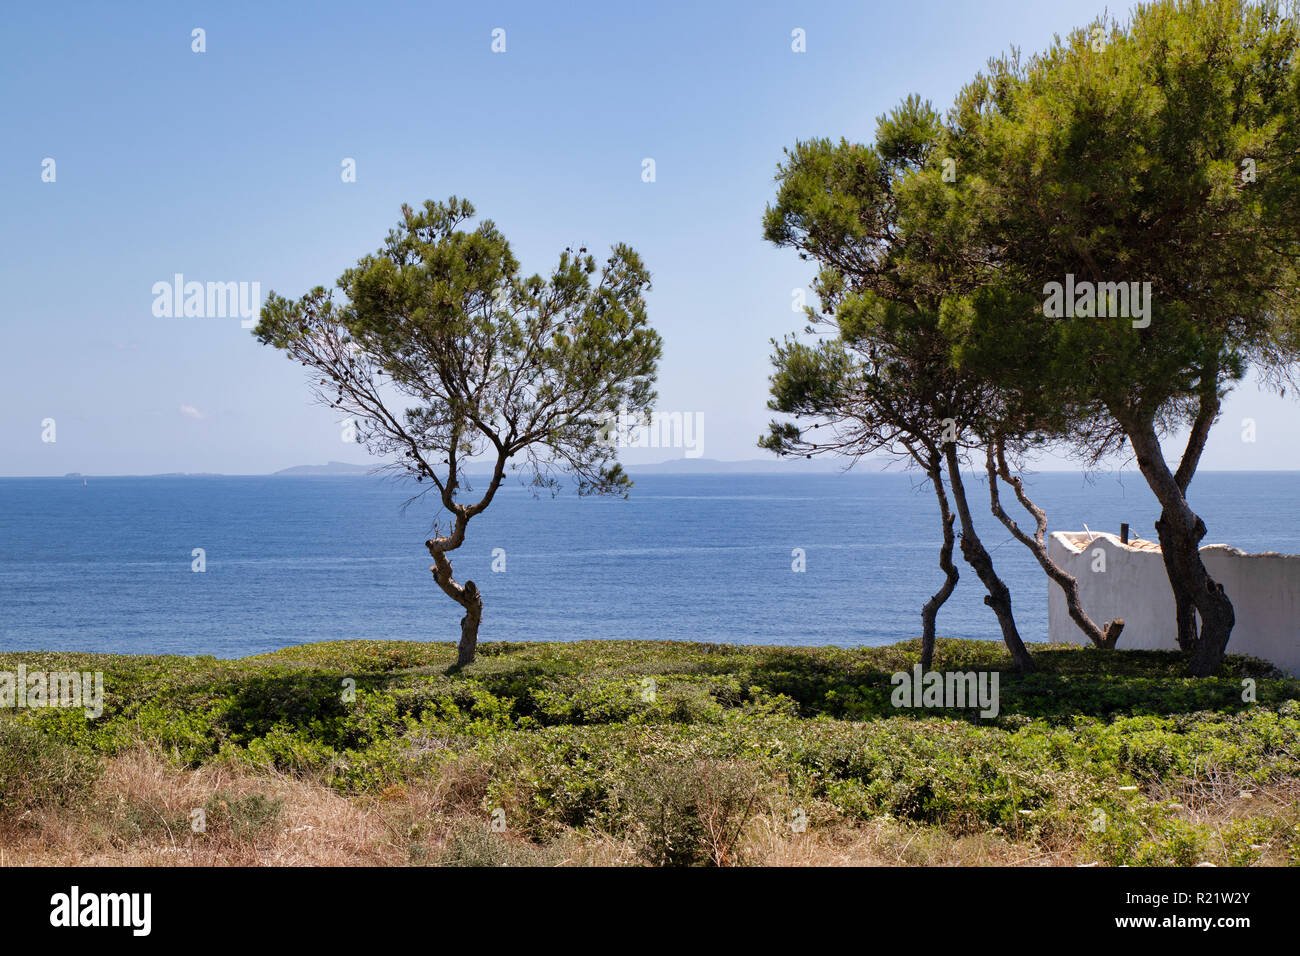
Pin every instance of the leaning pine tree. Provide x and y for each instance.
(443, 353)
(881, 377)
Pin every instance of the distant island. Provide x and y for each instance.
(329, 468)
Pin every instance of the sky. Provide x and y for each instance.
(227, 165)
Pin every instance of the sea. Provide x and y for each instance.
(236, 566)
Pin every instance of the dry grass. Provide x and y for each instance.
(316, 826)
(887, 843)
(405, 826)
(143, 804)
(1218, 800)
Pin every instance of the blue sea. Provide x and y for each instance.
(108, 566)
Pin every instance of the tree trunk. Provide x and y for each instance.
(972, 550)
(467, 595)
(1206, 415)
(469, 625)
(1181, 530)
(1184, 607)
(997, 467)
(930, 612)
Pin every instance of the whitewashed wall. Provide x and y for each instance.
(1264, 589)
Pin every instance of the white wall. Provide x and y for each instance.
(1264, 589)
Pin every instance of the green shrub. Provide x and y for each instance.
(693, 813)
(245, 818)
(38, 771)
(472, 843)
(285, 749)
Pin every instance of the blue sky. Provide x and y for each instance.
(225, 166)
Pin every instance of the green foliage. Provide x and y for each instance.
(1160, 150)
(38, 771)
(1150, 834)
(656, 743)
(695, 813)
(244, 817)
(470, 844)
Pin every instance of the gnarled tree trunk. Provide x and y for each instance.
(1206, 414)
(469, 625)
(1181, 530)
(930, 612)
(466, 595)
(973, 551)
(996, 463)
(1184, 606)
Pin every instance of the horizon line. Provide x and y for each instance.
(374, 473)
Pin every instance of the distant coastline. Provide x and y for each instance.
(681, 466)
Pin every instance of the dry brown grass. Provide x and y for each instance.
(887, 843)
(316, 826)
(1218, 799)
(140, 818)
